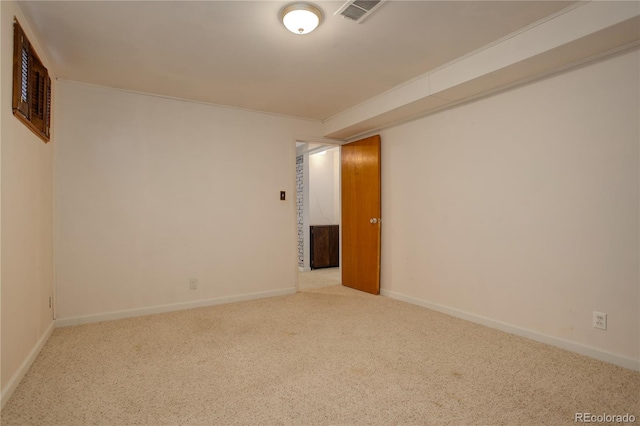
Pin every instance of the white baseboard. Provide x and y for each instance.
(15, 380)
(108, 316)
(601, 355)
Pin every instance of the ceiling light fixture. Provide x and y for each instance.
(301, 18)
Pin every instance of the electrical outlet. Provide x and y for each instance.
(193, 283)
(599, 320)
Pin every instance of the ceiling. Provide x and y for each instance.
(237, 53)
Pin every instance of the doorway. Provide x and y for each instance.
(318, 211)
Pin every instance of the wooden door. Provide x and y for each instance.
(360, 168)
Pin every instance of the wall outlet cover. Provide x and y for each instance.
(599, 320)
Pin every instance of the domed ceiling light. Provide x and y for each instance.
(301, 18)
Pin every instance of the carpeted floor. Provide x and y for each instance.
(323, 356)
(317, 278)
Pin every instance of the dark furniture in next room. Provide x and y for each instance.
(324, 246)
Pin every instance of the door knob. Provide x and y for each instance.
(373, 220)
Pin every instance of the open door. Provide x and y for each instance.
(360, 168)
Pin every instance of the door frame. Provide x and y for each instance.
(326, 143)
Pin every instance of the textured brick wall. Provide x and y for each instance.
(300, 208)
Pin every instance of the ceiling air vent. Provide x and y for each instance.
(358, 10)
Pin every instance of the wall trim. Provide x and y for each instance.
(159, 309)
(189, 101)
(568, 345)
(17, 377)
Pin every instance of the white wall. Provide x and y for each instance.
(151, 192)
(324, 187)
(337, 203)
(26, 206)
(523, 207)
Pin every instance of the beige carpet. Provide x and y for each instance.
(323, 356)
(317, 278)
